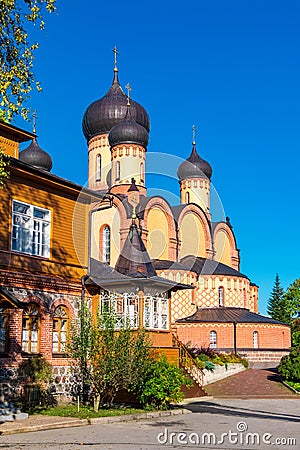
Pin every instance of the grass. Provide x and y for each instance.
(86, 412)
(294, 385)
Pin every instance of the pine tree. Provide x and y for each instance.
(277, 305)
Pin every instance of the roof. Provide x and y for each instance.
(19, 134)
(11, 298)
(227, 315)
(106, 277)
(134, 257)
(199, 265)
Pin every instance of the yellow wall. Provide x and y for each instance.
(158, 235)
(222, 248)
(111, 218)
(99, 145)
(192, 236)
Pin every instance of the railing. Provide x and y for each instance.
(188, 362)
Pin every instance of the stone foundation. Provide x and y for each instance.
(221, 372)
(263, 358)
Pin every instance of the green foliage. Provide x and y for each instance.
(207, 354)
(162, 384)
(86, 412)
(17, 52)
(292, 298)
(107, 359)
(277, 304)
(4, 172)
(289, 366)
(295, 330)
(36, 370)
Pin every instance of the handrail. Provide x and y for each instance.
(188, 361)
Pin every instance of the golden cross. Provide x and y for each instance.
(194, 134)
(116, 53)
(128, 87)
(34, 115)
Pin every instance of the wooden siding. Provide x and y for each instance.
(68, 237)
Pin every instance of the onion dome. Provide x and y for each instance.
(194, 167)
(106, 112)
(128, 131)
(35, 156)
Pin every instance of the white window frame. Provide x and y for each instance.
(31, 228)
(118, 170)
(213, 339)
(156, 312)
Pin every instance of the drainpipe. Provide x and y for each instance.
(234, 337)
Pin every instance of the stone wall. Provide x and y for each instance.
(221, 372)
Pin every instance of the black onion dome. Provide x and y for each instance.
(194, 167)
(128, 131)
(106, 112)
(34, 155)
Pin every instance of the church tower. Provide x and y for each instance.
(194, 178)
(128, 141)
(99, 118)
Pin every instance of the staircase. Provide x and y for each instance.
(190, 366)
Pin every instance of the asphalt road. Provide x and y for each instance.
(216, 424)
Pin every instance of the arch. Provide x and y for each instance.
(160, 224)
(225, 246)
(31, 329)
(105, 244)
(60, 329)
(194, 232)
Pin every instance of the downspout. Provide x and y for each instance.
(234, 337)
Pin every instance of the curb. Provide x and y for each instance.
(97, 420)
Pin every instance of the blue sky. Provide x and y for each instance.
(229, 67)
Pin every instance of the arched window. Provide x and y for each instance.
(255, 339)
(118, 170)
(213, 339)
(106, 244)
(187, 197)
(98, 167)
(142, 174)
(30, 329)
(3, 329)
(60, 329)
(221, 296)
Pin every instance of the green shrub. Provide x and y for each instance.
(36, 370)
(162, 384)
(289, 366)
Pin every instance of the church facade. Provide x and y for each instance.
(167, 268)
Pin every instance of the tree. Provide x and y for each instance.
(4, 173)
(292, 298)
(277, 304)
(17, 53)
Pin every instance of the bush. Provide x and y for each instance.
(289, 366)
(162, 384)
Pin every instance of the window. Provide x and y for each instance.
(60, 329)
(3, 329)
(98, 167)
(30, 329)
(187, 197)
(221, 296)
(30, 229)
(124, 308)
(142, 175)
(118, 170)
(255, 339)
(156, 312)
(106, 244)
(213, 339)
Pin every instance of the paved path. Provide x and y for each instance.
(251, 383)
